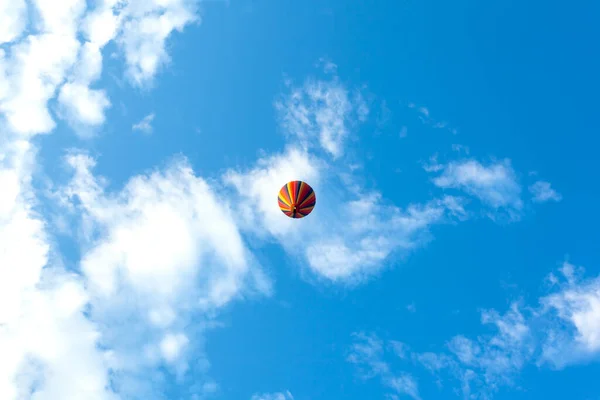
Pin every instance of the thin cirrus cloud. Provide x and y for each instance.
(559, 331)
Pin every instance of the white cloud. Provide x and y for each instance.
(481, 366)
(339, 246)
(145, 125)
(460, 148)
(352, 232)
(163, 251)
(495, 185)
(36, 68)
(165, 244)
(323, 112)
(52, 60)
(405, 384)
(83, 105)
(273, 396)
(48, 346)
(66, 362)
(85, 349)
(375, 232)
(561, 330)
(542, 192)
(328, 66)
(172, 345)
(145, 29)
(426, 119)
(368, 355)
(494, 360)
(13, 19)
(575, 335)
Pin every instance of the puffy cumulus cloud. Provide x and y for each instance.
(495, 185)
(339, 246)
(158, 230)
(82, 105)
(13, 19)
(36, 68)
(574, 334)
(561, 330)
(273, 396)
(61, 19)
(146, 26)
(542, 192)
(141, 29)
(48, 346)
(368, 353)
(62, 55)
(23, 238)
(62, 334)
(323, 112)
(162, 252)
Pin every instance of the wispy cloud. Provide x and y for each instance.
(338, 246)
(560, 330)
(367, 354)
(145, 125)
(425, 117)
(341, 247)
(323, 112)
(542, 192)
(327, 65)
(495, 184)
(460, 148)
(273, 396)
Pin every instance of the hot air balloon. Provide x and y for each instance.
(297, 199)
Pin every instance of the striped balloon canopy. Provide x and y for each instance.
(297, 199)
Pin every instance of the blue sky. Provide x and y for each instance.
(452, 251)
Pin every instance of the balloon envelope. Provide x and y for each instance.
(297, 199)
